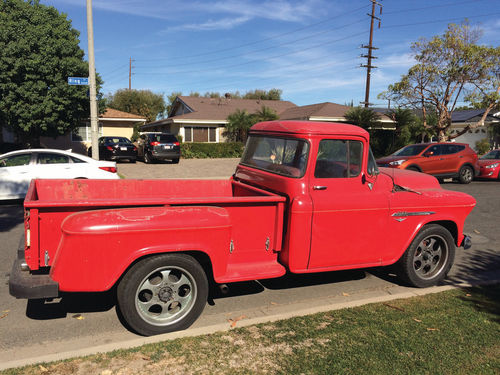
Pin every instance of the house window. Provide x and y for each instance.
(84, 133)
(200, 134)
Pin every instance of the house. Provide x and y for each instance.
(112, 123)
(200, 119)
(330, 112)
(461, 119)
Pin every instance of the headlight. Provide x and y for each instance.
(492, 165)
(397, 162)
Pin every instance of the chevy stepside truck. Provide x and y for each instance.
(305, 197)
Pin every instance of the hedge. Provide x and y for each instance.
(211, 150)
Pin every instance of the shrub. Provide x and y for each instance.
(211, 150)
(482, 146)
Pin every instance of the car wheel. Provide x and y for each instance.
(465, 175)
(164, 293)
(133, 160)
(175, 161)
(147, 158)
(429, 257)
(89, 152)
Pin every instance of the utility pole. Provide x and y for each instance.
(130, 74)
(94, 126)
(370, 56)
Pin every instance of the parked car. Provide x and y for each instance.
(442, 160)
(18, 168)
(490, 165)
(116, 148)
(153, 146)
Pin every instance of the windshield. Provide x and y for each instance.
(284, 156)
(495, 154)
(163, 138)
(411, 150)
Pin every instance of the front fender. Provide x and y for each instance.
(96, 247)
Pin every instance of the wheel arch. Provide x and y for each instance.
(414, 166)
(202, 257)
(450, 225)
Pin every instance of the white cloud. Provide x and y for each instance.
(222, 24)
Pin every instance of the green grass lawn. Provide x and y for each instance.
(455, 332)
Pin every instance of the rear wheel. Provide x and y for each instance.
(429, 257)
(147, 158)
(415, 169)
(465, 175)
(175, 161)
(164, 293)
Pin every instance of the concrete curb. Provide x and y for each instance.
(227, 327)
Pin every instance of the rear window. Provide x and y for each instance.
(283, 156)
(162, 138)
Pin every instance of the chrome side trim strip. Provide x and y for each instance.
(418, 213)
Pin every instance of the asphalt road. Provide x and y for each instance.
(83, 320)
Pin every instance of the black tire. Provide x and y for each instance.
(175, 161)
(163, 293)
(89, 152)
(147, 158)
(133, 160)
(415, 169)
(465, 175)
(429, 257)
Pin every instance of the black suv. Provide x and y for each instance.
(158, 146)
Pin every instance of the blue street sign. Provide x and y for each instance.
(78, 80)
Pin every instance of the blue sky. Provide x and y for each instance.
(310, 49)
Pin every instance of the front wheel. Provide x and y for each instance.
(175, 161)
(429, 257)
(465, 175)
(147, 158)
(163, 293)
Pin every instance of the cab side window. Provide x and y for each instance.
(338, 159)
(48, 158)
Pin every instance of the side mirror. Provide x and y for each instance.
(428, 153)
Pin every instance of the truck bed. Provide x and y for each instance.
(255, 217)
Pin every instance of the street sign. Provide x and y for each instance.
(78, 80)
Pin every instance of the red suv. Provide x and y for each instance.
(442, 160)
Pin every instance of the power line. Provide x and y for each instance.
(265, 39)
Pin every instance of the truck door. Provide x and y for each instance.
(349, 213)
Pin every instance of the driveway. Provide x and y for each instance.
(187, 168)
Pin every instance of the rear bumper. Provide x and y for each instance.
(24, 284)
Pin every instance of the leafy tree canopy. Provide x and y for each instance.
(38, 52)
(450, 68)
(240, 121)
(140, 102)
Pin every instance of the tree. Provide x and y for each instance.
(273, 94)
(238, 124)
(364, 117)
(38, 52)
(450, 68)
(140, 102)
(240, 121)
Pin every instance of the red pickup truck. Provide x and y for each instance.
(305, 197)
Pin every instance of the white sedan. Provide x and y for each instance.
(18, 168)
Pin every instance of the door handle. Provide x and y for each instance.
(319, 187)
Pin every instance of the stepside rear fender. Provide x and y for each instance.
(96, 247)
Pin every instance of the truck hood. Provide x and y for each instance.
(411, 180)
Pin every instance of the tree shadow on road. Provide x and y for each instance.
(477, 267)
